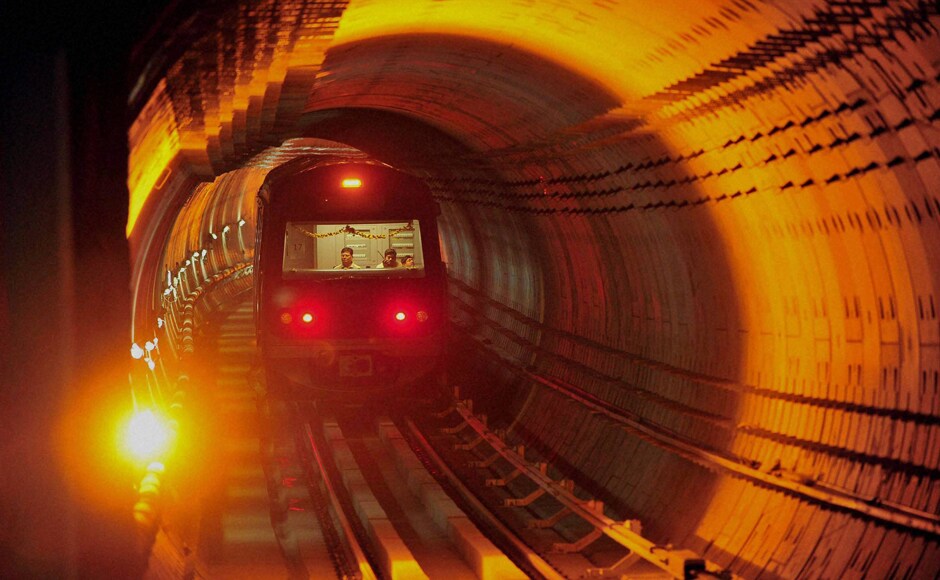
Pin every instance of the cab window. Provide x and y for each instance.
(315, 250)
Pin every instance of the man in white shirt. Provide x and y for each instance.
(346, 259)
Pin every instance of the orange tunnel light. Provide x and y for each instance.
(147, 436)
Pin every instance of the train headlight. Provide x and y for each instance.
(422, 316)
(308, 318)
(400, 316)
(286, 318)
(351, 183)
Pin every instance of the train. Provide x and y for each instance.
(350, 288)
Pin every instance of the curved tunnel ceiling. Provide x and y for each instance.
(718, 217)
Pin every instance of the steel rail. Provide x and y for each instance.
(895, 515)
(678, 563)
(362, 562)
(531, 557)
(818, 492)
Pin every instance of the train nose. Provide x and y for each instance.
(358, 366)
(324, 359)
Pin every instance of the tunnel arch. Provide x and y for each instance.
(761, 224)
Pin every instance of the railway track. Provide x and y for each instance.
(571, 534)
(299, 492)
(380, 512)
(311, 492)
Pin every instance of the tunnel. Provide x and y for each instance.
(711, 219)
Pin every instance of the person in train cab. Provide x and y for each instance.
(389, 259)
(346, 260)
(408, 262)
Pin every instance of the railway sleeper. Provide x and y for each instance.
(468, 446)
(454, 430)
(395, 558)
(524, 501)
(484, 463)
(551, 521)
(503, 481)
(478, 551)
(630, 566)
(577, 545)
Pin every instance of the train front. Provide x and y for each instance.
(350, 283)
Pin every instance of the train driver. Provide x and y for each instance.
(390, 259)
(346, 259)
(408, 262)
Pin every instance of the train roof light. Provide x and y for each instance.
(351, 183)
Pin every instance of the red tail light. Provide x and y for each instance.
(302, 320)
(407, 318)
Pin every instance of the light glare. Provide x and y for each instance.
(147, 436)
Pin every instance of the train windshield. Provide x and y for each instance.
(348, 250)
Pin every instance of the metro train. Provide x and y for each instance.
(340, 314)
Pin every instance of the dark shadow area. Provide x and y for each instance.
(399, 140)
(64, 301)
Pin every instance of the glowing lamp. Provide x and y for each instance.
(400, 316)
(351, 183)
(307, 317)
(147, 436)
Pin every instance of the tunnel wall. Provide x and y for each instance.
(212, 236)
(770, 268)
(769, 324)
(744, 258)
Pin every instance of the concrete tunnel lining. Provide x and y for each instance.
(750, 263)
